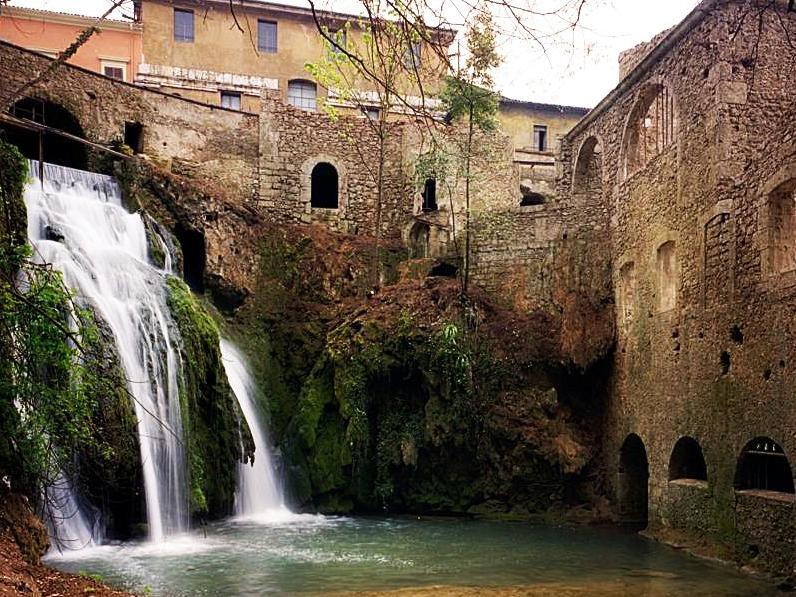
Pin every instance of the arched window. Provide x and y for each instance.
(587, 182)
(302, 94)
(782, 228)
(627, 293)
(324, 186)
(633, 481)
(687, 461)
(56, 148)
(764, 466)
(430, 195)
(651, 128)
(667, 276)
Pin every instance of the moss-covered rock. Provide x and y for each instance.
(418, 404)
(216, 435)
(109, 468)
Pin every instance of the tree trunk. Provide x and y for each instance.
(468, 157)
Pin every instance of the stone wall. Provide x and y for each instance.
(717, 366)
(206, 142)
(294, 141)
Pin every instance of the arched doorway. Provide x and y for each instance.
(56, 149)
(687, 461)
(419, 241)
(633, 482)
(763, 466)
(324, 186)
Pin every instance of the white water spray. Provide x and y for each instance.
(71, 528)
(259, 493)
(77, 223)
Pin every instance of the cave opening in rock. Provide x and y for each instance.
(194, 257)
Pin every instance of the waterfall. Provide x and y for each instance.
(259, 491)
(69, 525)
(77, 223)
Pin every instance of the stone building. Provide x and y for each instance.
(205, 51)
(690, 166)
(536, 130)
(115, 50)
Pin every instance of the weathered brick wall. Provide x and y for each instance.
(293, 141)
(512, 250)
(719, 366)
(206, 142)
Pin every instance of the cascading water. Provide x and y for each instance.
(77, 223)
(70, 526)
(259, 491)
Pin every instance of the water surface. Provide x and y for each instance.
(311, 555)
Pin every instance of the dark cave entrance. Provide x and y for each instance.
(194, 257)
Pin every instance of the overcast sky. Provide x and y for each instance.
(576, 68)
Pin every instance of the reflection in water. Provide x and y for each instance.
(314, 554)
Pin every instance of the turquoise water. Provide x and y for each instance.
(310, 555)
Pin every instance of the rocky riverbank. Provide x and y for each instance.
(23, 541)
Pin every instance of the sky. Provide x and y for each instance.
(576, 67)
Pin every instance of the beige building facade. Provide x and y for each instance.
(207, 52)
(536, 131)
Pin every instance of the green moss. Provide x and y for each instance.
(13, 215)
(212, 424)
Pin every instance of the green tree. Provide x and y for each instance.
(469, 97)
(372, 66)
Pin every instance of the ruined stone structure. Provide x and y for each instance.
(690, 166)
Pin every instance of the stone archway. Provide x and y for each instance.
(419, 241)
(764, 466)
(56, 149)
(633, 483)
(687, 461)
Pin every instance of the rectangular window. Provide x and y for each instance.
(412, 55)
(114, 72)
(540, 137)
(114, 69)
(302, 94)
(230, 99)
(266, 37)
(371, 113)
(183, 25)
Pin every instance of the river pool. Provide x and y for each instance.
(314, 554)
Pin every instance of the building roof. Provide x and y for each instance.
(540, 107)
(65, 17)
